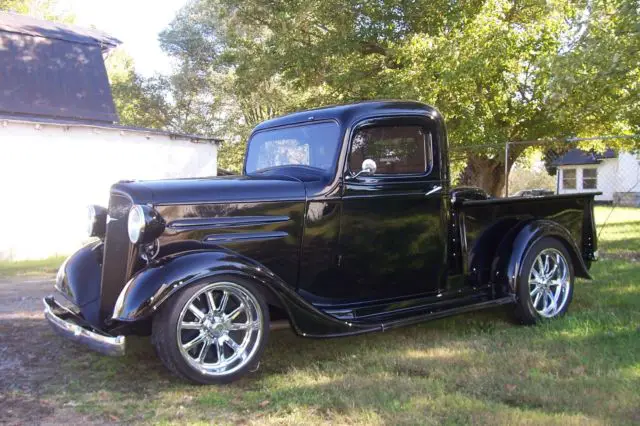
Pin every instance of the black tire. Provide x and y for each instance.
(525, 310)
(164, 336)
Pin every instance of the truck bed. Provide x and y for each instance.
(482, 225)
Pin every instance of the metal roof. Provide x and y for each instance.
(54, 70)
(27, 25)
(575, 157)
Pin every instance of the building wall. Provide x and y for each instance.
(628, 173)
(50, 173)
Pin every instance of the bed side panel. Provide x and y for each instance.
(487, 223)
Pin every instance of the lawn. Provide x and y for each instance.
(474, 368)
(46, 266)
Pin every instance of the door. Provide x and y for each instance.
(392, 233)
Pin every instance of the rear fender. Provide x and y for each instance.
(143, 295)
(506, 266)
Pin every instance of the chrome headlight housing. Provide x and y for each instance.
(144, 224)
(136, 224)
(96, 221)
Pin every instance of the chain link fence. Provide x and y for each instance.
(608, 165)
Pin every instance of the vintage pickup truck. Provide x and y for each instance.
(343, 222)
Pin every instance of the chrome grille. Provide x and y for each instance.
(118, 253)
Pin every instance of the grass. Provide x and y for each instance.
(50, 265)
(620, 236)
(475, 368)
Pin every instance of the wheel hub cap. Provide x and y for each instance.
(214, 327)
(549, 283)
(219, 329)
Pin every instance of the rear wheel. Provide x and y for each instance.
(545, 285)
(212, 332)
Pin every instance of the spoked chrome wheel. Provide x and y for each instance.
(549, 282)
(219, 328)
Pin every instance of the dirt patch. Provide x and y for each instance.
(20, 409)
(29, 358)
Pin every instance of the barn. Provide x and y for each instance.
(61, 147)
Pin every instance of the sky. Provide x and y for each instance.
(134, 22)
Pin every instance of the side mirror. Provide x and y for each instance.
(369, 168)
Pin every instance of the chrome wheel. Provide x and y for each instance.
(219, 328)
(549, 283)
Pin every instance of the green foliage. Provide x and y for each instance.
(179, 102)
(597, 79)
(139, 101)
(42, 9)
(17, 6)
(498, 70)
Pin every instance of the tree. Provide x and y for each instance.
(139, 101)
(43, 9)
(498, 70)
(235, 96)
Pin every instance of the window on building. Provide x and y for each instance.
(395, 149)
(569, 179)
(589, 178)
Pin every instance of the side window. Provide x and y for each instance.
(569, 179)
(397, 150)
(589, 178)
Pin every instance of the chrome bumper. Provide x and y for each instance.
(67, 324)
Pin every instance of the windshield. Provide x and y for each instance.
(310, 145)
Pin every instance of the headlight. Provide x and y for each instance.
(96, 221)
(144, 224)
(136, 224)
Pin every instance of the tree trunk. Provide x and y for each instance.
(488, 173)
(485, 173)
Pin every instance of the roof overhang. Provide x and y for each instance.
(27, 25)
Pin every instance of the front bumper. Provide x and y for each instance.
(73, 327)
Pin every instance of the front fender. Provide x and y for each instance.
(151, 287)
(79, 280)
(512, 250)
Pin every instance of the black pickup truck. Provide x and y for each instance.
(343, 222)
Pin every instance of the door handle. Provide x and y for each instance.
(433, 191)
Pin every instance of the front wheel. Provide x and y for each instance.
(213, 332)
(545, 284)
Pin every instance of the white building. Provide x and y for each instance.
(60, 145)
(615, 174)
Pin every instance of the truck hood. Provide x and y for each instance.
(213, 190)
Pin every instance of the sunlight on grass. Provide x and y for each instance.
(616, 214)
(46, 266)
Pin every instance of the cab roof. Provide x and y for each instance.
(349, 114)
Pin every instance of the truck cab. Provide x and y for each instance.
(342, 222)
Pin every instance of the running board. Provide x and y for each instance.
(447, 312)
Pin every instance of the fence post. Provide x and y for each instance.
(506, 169)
